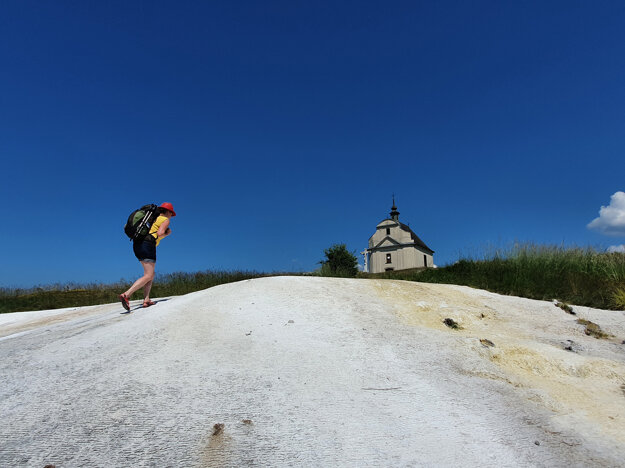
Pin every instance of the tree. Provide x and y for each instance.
(339, 262)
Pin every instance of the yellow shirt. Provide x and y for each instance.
(155, 226)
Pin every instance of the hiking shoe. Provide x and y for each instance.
(124, 301)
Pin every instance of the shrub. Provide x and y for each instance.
(339, 262)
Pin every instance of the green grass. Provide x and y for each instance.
(71, 295)
(582, 276)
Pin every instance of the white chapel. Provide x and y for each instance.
(394, 246)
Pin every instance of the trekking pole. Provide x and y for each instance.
(143, 222)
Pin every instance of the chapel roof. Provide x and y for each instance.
(404, 227)
(414, 237)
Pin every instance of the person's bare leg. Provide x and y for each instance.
(146, 292)
(148, 276)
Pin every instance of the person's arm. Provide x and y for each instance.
(163, 229)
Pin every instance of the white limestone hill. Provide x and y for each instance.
(300, 371)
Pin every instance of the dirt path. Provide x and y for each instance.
(313, 372)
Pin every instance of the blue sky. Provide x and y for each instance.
(279, 128)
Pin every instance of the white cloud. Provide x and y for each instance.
(611, 220)
(617, 248)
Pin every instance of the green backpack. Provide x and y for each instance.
(140, 221)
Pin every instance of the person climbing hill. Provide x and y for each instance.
(145, 251)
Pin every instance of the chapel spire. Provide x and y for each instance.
(394, 212)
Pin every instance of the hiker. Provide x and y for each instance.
(145, 251)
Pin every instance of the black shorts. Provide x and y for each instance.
(145, 251)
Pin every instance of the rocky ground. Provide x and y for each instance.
(297, 371)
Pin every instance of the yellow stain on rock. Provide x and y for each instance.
(528, 351)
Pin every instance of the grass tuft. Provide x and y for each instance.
(592, 329)
(618, 298)
(565, 307)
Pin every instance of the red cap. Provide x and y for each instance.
(168, 207)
